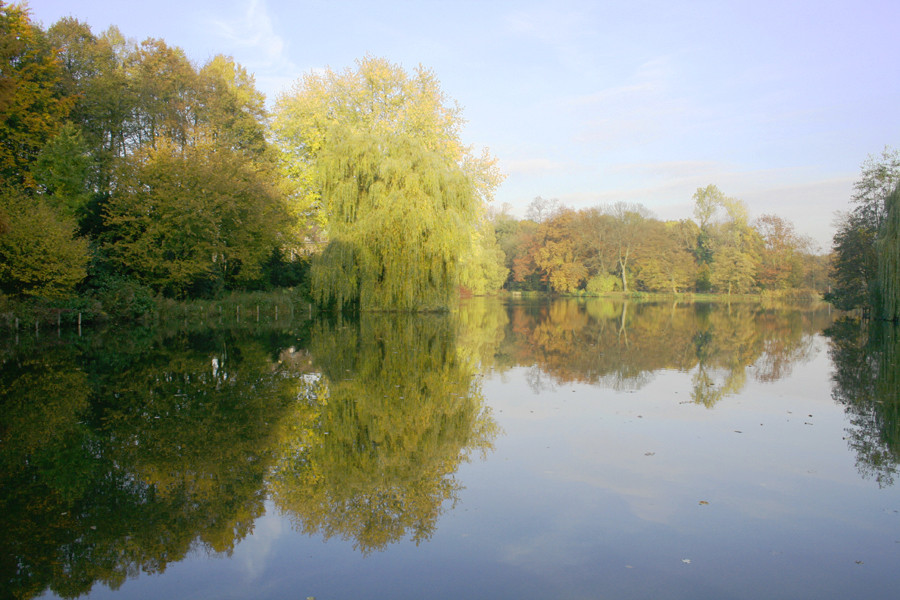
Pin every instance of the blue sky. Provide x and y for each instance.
(776, 102)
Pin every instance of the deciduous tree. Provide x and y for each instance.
(193, 220)
(40, 254)
(377, 152)
(888, 249)
(32, 101)
(627, 234)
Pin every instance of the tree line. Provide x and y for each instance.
(623, 247)
(127, 172)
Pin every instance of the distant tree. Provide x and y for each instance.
(781, 257)
(727, 247)
(529, 241)
(542, 209)
(482, 268)
(507, 233)
(666, 261)
(559, 257)
(627, 234)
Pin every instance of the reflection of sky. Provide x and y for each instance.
(754, 488)
(596, 493)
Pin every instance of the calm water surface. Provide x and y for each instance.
(567, 449)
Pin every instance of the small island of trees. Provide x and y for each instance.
(129, 173)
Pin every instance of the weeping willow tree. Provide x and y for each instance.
(376, 155)
(888, 248)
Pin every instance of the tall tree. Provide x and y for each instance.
(726, 244)
(888, 249)
(734, 246)
(33, 102)
(781, 263)
(627, 234)
(666, 262)
(855, 260)
(560, 258)
(164, 87)
(377, 151)
(233, 109)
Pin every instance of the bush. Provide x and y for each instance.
(602, 284)
(124, 298)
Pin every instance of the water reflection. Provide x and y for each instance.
(121, 453)
(866, 381)
(373, 450)
(621, 345)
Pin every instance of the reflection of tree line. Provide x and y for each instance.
(119, 455)
(621, 344)
(866, 380)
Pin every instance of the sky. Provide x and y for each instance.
(777, 102)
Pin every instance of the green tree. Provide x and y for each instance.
(888, 249)
(191, 222)
(94, 75)
(482, 268)
(32, 101)
(62, 170)
(666, 262)
(165, 91)
(40, 254)
(233, 110)
(376, 152)
(726, 244)
(855, 263)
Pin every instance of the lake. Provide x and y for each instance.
(511, 449)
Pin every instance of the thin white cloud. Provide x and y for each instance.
(561, 30)
(652, 77)
(263, 51)
(254, 29)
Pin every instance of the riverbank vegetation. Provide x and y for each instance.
(130, 175)
(866, 260)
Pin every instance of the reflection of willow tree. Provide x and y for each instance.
(123, 458)
(621, 344)
(372, 458)
(867, 382)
